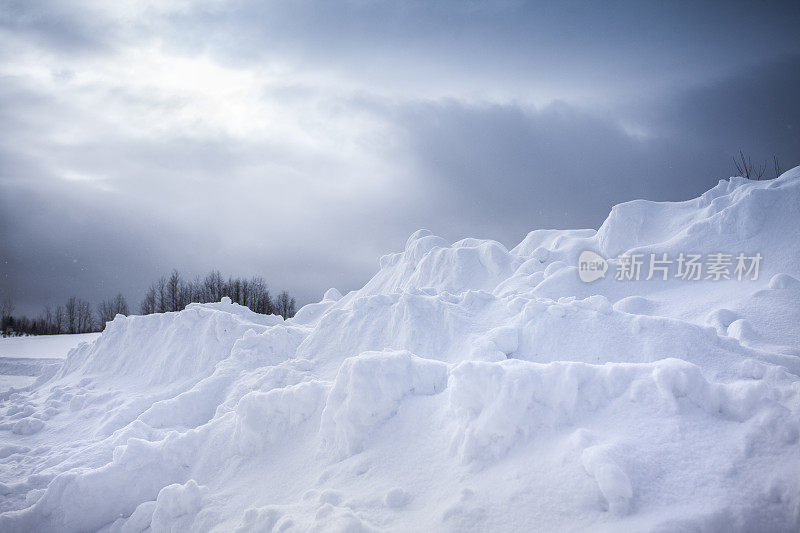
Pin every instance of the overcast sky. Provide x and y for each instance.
(302, 140)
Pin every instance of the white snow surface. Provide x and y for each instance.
(466, 387)
(24, 359)
(43, 346)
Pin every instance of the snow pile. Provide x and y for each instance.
(465, 387)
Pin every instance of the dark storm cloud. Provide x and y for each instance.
(59, 244)
(756, 109)
(513, 170)
(563, 167)
(301, 141)
(592, 50)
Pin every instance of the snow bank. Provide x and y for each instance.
(369, 389)
(465, 387)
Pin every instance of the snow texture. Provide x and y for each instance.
(465, 387)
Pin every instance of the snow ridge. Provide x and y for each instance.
(465, 386)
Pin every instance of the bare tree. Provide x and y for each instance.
(85, 321)
(109, 309)
(776, 165)
(47, 321)
(161, 293)
(285, 305)
(746, 169)
(258, 298)
(105, 312)
(213, 287)
(191, 292)
(71, 315)
(233, 289)
(174, 291)
(78, 316)
(185, 294)
(150, 303)
(173, 294)
(59, 320)
(120, 305)
(244, 293)
(265, 304)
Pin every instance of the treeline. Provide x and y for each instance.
(75, 316)
(173, 293)
(168, 293)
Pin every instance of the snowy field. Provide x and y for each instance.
(465, 387)
(22, 358)
(43, 346)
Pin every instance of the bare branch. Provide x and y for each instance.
(759, 172)
(746, 169)
(776, 165)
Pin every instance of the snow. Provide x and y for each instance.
(24, 359)
(466, 386)
(14, 382)
(43, 346)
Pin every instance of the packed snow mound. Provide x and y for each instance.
(465, 387)
(132, 348)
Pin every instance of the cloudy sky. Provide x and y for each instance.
(302, 140)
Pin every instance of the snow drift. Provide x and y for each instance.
(465, 387)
